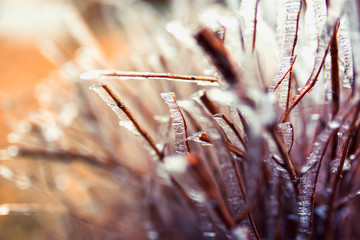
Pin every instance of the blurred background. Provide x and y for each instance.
(25, 28)
(21, 63)
(23, 23)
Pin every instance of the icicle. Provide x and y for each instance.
(179, 123)
(321, 16)
(6, 173)
(347, 198)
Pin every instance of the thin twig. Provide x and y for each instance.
(206, 181)
(162, 76)
(286, 158)
(255, 24)
(137, 125)
(286, 119)
(290, 68)
(328, 224)
(309, 84)
(335, 83)
(242, 187)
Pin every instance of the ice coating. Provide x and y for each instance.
(288, 26)
(343, 137)
(345, 52)
(273, 204)
(119, 75)
(178, 123)
(125, 122)
(235, 198)
(334, 10)
(197, 137)
(265, 107)
(236, 118)
(279, 171)
(176, 165)
(287, 133)
(127, 119)
(206, 224)
(355, 36)
(248, 11)
(308, 181)
(320, 14)
(229, 132)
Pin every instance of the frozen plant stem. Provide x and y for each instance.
(286, 158)
(310, 82)
(329, 223)
(335, 83)
(290, 69)
(205, 180)
(106, 74)
(138, 127)
(179, 123)
(255, 23)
